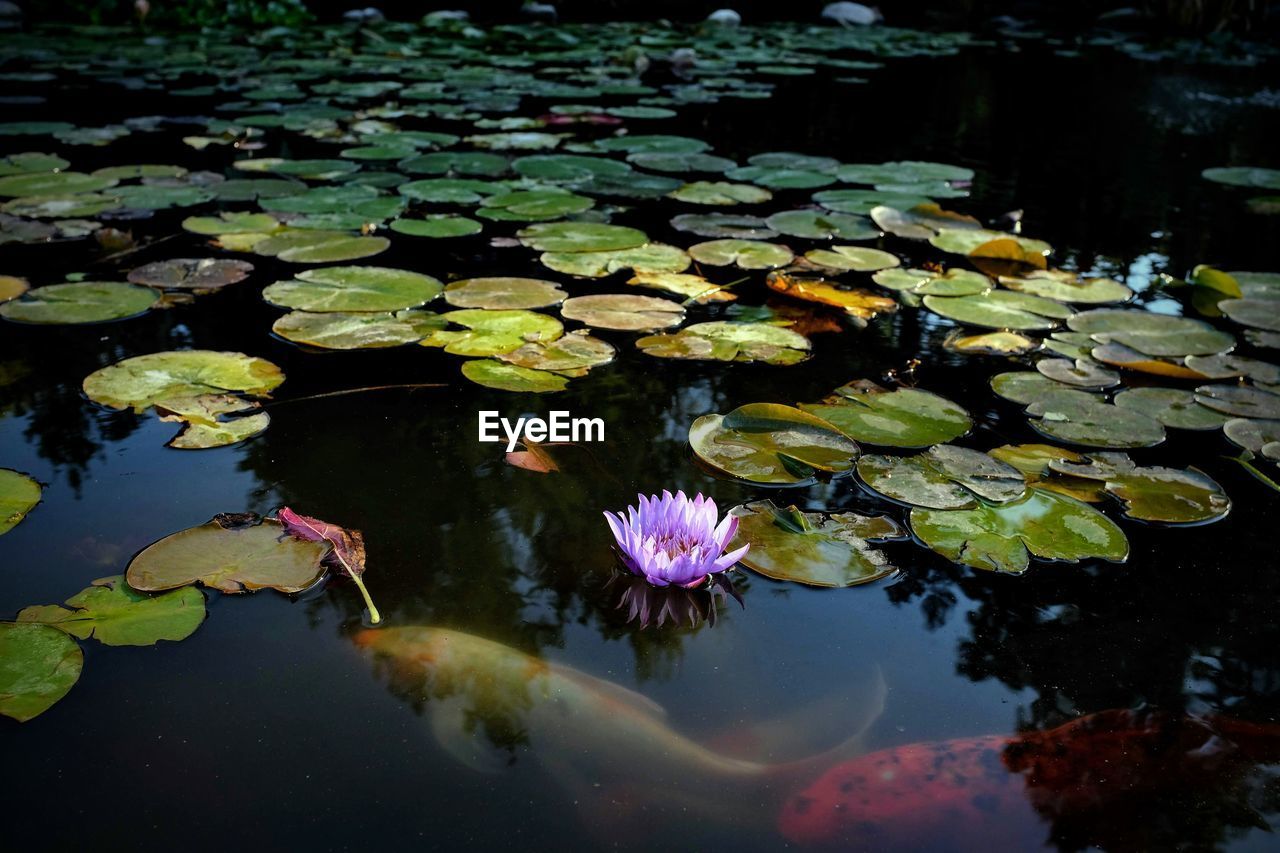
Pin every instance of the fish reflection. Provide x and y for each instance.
(1110, 780)
(611, 750)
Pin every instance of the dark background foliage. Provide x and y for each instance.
(1182, 16)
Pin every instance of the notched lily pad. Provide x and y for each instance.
(503, 292)
(512, 377)
(1079, 417)
(730, 341)
(817, 549)
(198, 274)
(139, 382)
(362, 330)
(771, 443)
(1159, 494)
(79, 302)
(1003, 537)
(623, 312)
(494, 332)
(345, 289)
(1152, 334)
(116, 615)
(906, 417)
(943, 477)
(38, 666)
(19, 494)
(230, 554)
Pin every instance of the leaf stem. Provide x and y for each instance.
(1252, 469)
(374, 616)
(354, 391)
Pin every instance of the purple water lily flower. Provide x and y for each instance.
(674, 541)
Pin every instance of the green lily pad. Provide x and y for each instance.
(1244, 176)
(723, 225)
(569, 169)
(693, 287)
(580, 237)
(865, 201)
(38, 666)
(1080, 373)
(31, 161)
(139, 382)
(1000, 309)
(680, 161)
(115, 615)
(219, 433)
(511, 377)
(503, 292)
(1252, 434)
(80, 302)
(1230, 366)
(303, 246)
(1025, 386)
(919, 221)
(1082, 418)
(531, 205)
(853, 258)
(451, 190)
(1034, 461)
(229, 554)
(623, 312)
(61, 206)
(979, 242)
(571, 355)
(1240, 401)
(1172, 407)
(491, 333)
(902, 172)
(53, 183)
(720, 193)
(821, 225)
(1003, 537)
(1152, 334)
(650, 258)
(364, 330)
(198, 274)
(346, 289)
(231, 223)
(746, 254)
(1165, 495)
(781, 178)
(1068, 287)
(943, 477)
(771, 443)
(438, 227)
(1255, 313)
(19, 494)
(813, 548)
(906, 417)
(729, 341)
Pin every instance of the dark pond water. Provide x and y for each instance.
(270, 729)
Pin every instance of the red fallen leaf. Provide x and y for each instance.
(348, 548)
(533, 458)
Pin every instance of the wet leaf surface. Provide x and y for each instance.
(116, 615)
(19, 494)
(906, 417)
(771, 443)
(38, 666)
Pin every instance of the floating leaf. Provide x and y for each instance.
(746, 254)
(1034, 461)
(530, 205)
(115, 615)
(1244, 176)
(856, 302)
(1152, 334)
(493, 332)
(1082, 418)
(11, 287)
(80, 302)
(1240, 401)
(1172, 407)
(503, 292)
(437, 227)
(723, 225)
(38, 666)
(1025, 387)
(344, 289)
(771, 443)
(623, 312)
(203, 436)
(231, 223)
(1127, 358)
(921, 221)
(303, 246)
(61, 206)
(53, 184)
(347, 556)
(1065, 286)
(991, 343)
(1000, 309)
(1228, 366)
(19, 494)
(510, 377)
(902, 172)
(907, 417)
(693, 287)
(943, 477)
(1165, 495)
(580, 237)
(980, 243)
(729, 341)
(143, 380)
(721, 193)
(649, 258)
(1080, 373)
(821, 225)
(571, 355)
(1252, 434)
(818, 549)
(1002, 537)
(853, 258)
(866, 201)
(364, 330)
(1255, 313)
(199, 274)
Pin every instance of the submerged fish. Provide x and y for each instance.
(1085, 779)
(610, 748)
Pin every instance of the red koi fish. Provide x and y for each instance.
(999, 791)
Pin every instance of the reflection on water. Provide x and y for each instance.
(270, 712)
